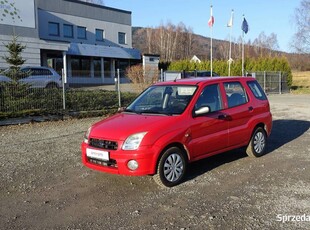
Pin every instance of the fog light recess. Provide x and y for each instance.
(132, 165)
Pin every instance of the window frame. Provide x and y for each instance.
(72, 32)
(51, 32)
(120, 41)
(101, 38)
(84, 30)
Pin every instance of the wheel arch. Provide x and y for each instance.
(173, 144)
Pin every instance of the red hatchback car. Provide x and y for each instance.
(175, 123)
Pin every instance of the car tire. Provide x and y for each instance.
(51, 86)
(171, 167)
(257, 145)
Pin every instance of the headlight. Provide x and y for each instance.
(86, 135)
(133, 141)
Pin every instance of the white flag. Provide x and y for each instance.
(231, 20)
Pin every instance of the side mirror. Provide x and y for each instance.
(121, 109)
(202, 111)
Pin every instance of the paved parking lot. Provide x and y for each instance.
(43, 184)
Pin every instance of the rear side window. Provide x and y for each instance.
(257, 90)
(235, 94)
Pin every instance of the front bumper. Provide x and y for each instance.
(145, 156)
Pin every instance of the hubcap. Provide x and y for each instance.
(173, 167)
(259, 142)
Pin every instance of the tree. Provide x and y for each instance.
(142, 77)
(301, 39)
(14, 60)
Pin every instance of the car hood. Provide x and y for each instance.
(120, 126)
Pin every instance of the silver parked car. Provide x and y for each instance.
(38, 77)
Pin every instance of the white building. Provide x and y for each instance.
(92, 40)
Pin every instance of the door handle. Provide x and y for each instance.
(251, 108)
(224, 117)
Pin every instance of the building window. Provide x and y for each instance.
(121, 38)
(80, 66)
(97, 67)
(99, 35)
(107, 67)
(81, 32)
(68, 31)
(53, 29)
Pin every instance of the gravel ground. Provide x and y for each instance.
(43, 184)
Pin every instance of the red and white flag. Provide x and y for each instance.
(211, 20)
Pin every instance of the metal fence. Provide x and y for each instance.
(272, 82)
(19, 100)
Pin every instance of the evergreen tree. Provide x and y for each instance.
(14, 59)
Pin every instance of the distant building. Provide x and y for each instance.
(88, 41)
(195, 59)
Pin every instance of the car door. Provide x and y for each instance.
(209, 132)
(239, 111)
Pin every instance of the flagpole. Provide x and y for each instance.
(243, 52)
(245, 29)
(231, 25)
(211, 48)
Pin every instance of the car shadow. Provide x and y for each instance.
(283, 131)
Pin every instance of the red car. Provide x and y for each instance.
(175, 123)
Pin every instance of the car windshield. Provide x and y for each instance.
(166, 100)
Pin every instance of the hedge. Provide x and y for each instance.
(250, 65)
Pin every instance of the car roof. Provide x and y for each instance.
(202, 80)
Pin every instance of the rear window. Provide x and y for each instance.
(257, 90)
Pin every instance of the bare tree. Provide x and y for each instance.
(301, 39)
(265, 45)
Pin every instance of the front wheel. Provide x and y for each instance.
(171, 168)
(257, 145)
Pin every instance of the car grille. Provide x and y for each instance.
(103, 144)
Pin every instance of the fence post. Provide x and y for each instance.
(265, 81)
(63, 89)
(118, 88)
(280, 82)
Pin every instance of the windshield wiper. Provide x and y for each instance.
(155, 112)
(131, 111)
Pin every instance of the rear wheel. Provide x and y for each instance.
(171, 167)
(51, 86)
(257, 145)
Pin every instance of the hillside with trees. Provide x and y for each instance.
(178, 42)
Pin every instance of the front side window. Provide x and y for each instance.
(99, 35)
(53, 29)
(165, 100)
(121, 38)
(235, 94)
(210, 97)
(68, 31)
(81, 32)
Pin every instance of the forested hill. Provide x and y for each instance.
(178, 42)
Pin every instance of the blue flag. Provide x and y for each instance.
(245, 26)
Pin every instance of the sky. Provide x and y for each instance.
(268, 16)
